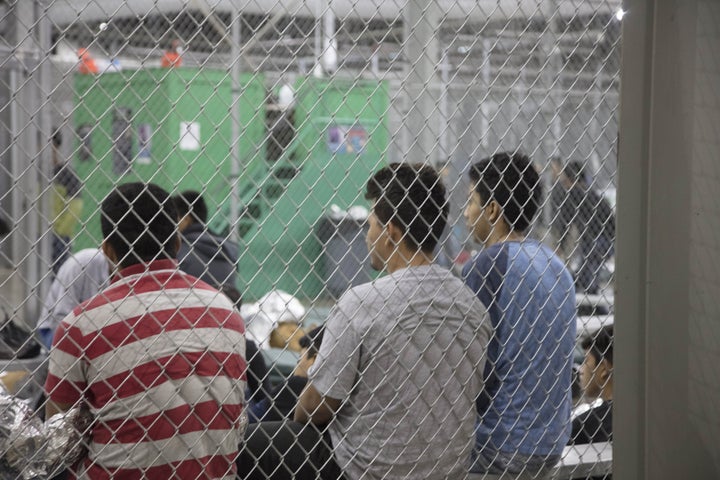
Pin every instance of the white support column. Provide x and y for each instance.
(329, 55)
(318, 37)
(443, 107)
(236, 161)
(421, 49)
(486, 108)
(45, 167)
(25, 161)
(551, 103)
(596, 128)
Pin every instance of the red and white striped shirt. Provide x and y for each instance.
(159, 357)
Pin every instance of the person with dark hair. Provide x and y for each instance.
(80, 278)
(310, 345)
(192, 209)
(158, 356)
(66, 204)
(562, 217)
(258, 373)
(282, 400)
(596, 377)
(524, 410)
(203, 254)
(401, 361)
(591, 214)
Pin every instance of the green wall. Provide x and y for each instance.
(281, 248)
(157, 101)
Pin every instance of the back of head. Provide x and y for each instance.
(512, 181)
(233, 294)
(600, 344)
(575, 172)
(413, 198)
(191, 203)
(57, 139)
(312, 340)
(139, 222)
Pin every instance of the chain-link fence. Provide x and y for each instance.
(426, 338)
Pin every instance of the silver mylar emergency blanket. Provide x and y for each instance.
(31, 450)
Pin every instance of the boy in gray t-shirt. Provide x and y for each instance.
(405, 356)
(402, 358)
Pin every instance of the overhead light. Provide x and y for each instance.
(619, 14)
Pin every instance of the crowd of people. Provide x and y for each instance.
(417, 374)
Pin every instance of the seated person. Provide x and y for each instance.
(16, 341)
(287, 335)
(281, 401)
(202, 254)
(275, 321)
(80, 278)
(595, 423)
(158, 357)
(258, 383)
(401, 361)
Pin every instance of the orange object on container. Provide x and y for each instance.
(87, 63)
(172, 58)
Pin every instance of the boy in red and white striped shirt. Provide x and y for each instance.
(158, 356)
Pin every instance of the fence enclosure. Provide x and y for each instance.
(278, 113)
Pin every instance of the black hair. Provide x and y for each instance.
(512, 181)
(5, 227)
(600, 344)
(191, 202)
(413, 198)
(57, 138)
(312, 341)
(139, 221)
(575, 172)
(233, 294)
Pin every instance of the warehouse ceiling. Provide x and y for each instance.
(68, 11)
(273, 41)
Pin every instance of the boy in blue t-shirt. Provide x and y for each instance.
(524, 410)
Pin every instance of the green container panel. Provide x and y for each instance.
(342, 138)
(152, 104)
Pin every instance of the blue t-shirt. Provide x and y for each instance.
(530, 295)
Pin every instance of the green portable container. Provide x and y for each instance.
(341, 139)
(172, 127)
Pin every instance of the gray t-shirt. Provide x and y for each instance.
(406, 354)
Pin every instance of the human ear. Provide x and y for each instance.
(184, 223)
(494, 211)
(394, 233)
(109, 252)
(604, 371)
(178, 242)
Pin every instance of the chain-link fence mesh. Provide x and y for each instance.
(265, 121)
